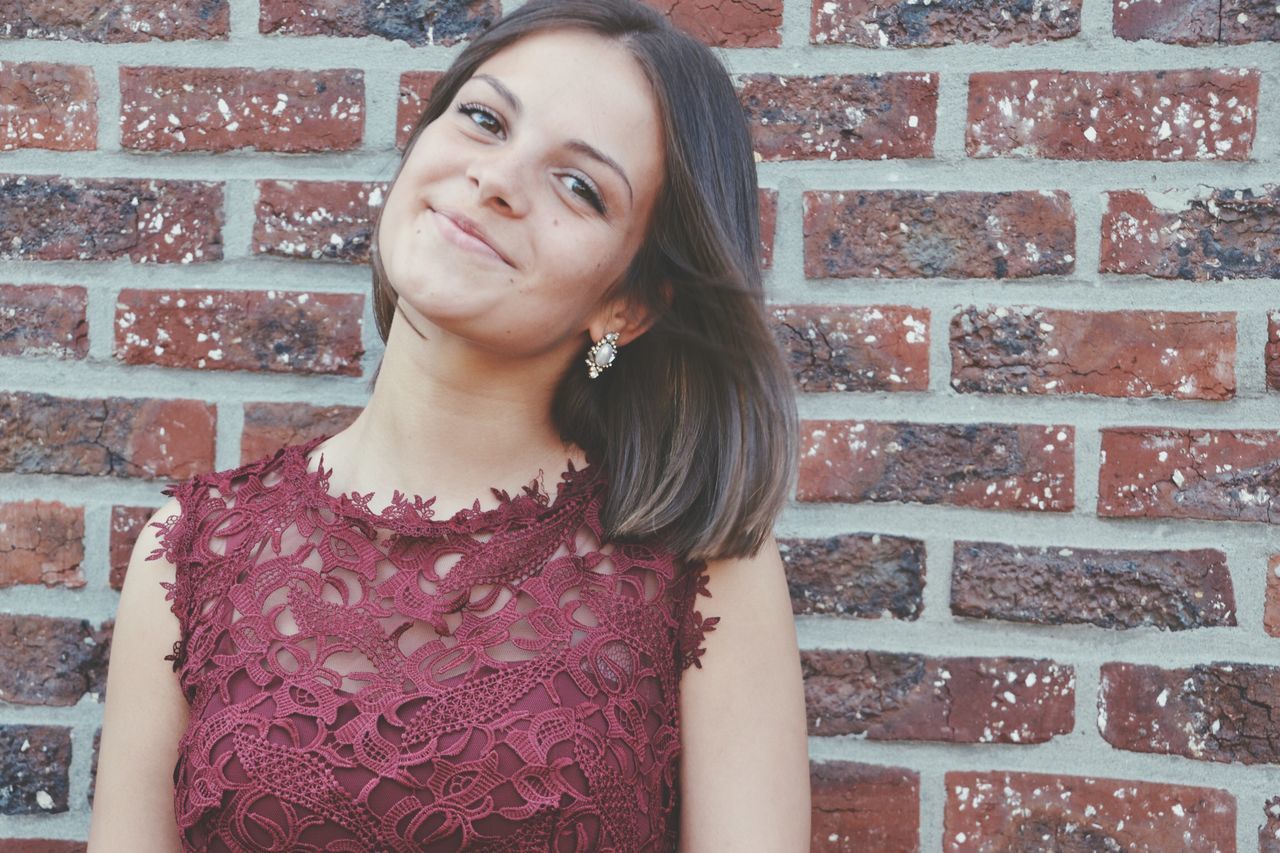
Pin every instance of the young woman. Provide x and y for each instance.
(566, 277)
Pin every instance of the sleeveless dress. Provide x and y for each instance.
(360, 680)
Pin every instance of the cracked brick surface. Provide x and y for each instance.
(115, 22)
(317, 220)
(47, 105)
(1110, 588)
(726, 23)
(433, 22)
(52, 661)
(41, 542)
(43, 320)
(1216, 474)
(904, 696)
(52, 218)
(270, 426)
(105, 436)
(855, 574)
(980, 465)
(859, 807)
(907, 23)
(956, 234)
(854, 347)
(1196, 22)
(1220, 711)
(34, 762)
(1208, 235)
(126, 524)
(1194, 114)
(1002, 810)
(1023, 349)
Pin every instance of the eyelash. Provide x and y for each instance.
(595, 201)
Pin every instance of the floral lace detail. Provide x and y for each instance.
(365, 680)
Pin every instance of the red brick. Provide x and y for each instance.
(853, 347)
(441, 24)
(43, 320)
(841, 117)
(270, 426)
(415, 91)
(115, 22)
(1022, 349)
(34, 762)
(50, 661)
(1247, 21)
(1227, 234)
(52, 218)
(41, 542)
(126, 524)
(903, 23)
(1196, 22)
(317, 220)
(1002, 810)
(1271, 608)
(958, 234)
(978, 465)
(40, 845)
(856, 574)
(48, 105)
(273, 330)
(1223, 712)
(1269, 832)
(1113, 115)
(726, 23)
(105, 436)
(1271, 352)
(768, 201)
(1215, 474)
(1110, 588)
(903, 696)
(859, 807)
(220, 109)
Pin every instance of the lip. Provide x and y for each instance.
(459, 228)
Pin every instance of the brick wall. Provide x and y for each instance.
(1024, 259)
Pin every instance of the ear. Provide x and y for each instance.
(629, 320)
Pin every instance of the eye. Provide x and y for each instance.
(592, 195)
(473, 110)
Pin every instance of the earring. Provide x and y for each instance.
(601, 354)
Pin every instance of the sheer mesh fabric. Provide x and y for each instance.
(365, 680)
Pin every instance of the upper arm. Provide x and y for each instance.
(145, 711)
(744, 774)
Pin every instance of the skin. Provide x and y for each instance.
(463, 400)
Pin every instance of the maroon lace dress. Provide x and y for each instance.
(387, 681)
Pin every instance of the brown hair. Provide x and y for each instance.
(695, 422)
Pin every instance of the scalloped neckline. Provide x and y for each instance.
(414, 514)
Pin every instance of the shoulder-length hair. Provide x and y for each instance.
(695, 422)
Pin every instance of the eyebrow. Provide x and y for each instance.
(578, 145)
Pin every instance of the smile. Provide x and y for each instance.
(455, 235)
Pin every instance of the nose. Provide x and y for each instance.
(497, 176)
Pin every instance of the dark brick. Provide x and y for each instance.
(51, 661)
(860, 807)
(1022, 349)
(34, 761)
(855, 347)
(903, 696)
(270, 426)
(726, 23)
(958, 234)
(105, 436)
(1229, 234)
(43, 320)
(93, 769)
(909, 23)
(978, 465)
(1173, 590)
(41, 542)
(856, 574)
(115, 22)
(47, 105)
(432, 22)
(126, 524)
(51, 218)
(317, 220)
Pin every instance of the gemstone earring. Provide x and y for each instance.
(601, 354)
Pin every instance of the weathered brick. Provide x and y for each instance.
(164, 108)
(52, 218)
(44, 320)
(726, 23)
(841, 117)
(105, 436)
(95, 21)
(1194, 114)
(906, 23)
(40, 845)
(1219, 711)
(430, 23)
(855, 347)
(958, 234)
(1195, 22)
(1216, 474)
(273, 330)
(859, 807)
(768, 200)
(317, 220)
(93, 769)
(48, 105)
(415, 90)
(1002, 810)
(1022, 349)
(856, 574)
(903, 696)
(1110, 588)
(1269, 832)
(1226, 234)
(41, 542)
(51, 661)
(34, 761)
(979, 465)
(1271, 609)
(270, 426)
(1271, 352)
(126, 524)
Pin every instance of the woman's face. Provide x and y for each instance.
(562, 181)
